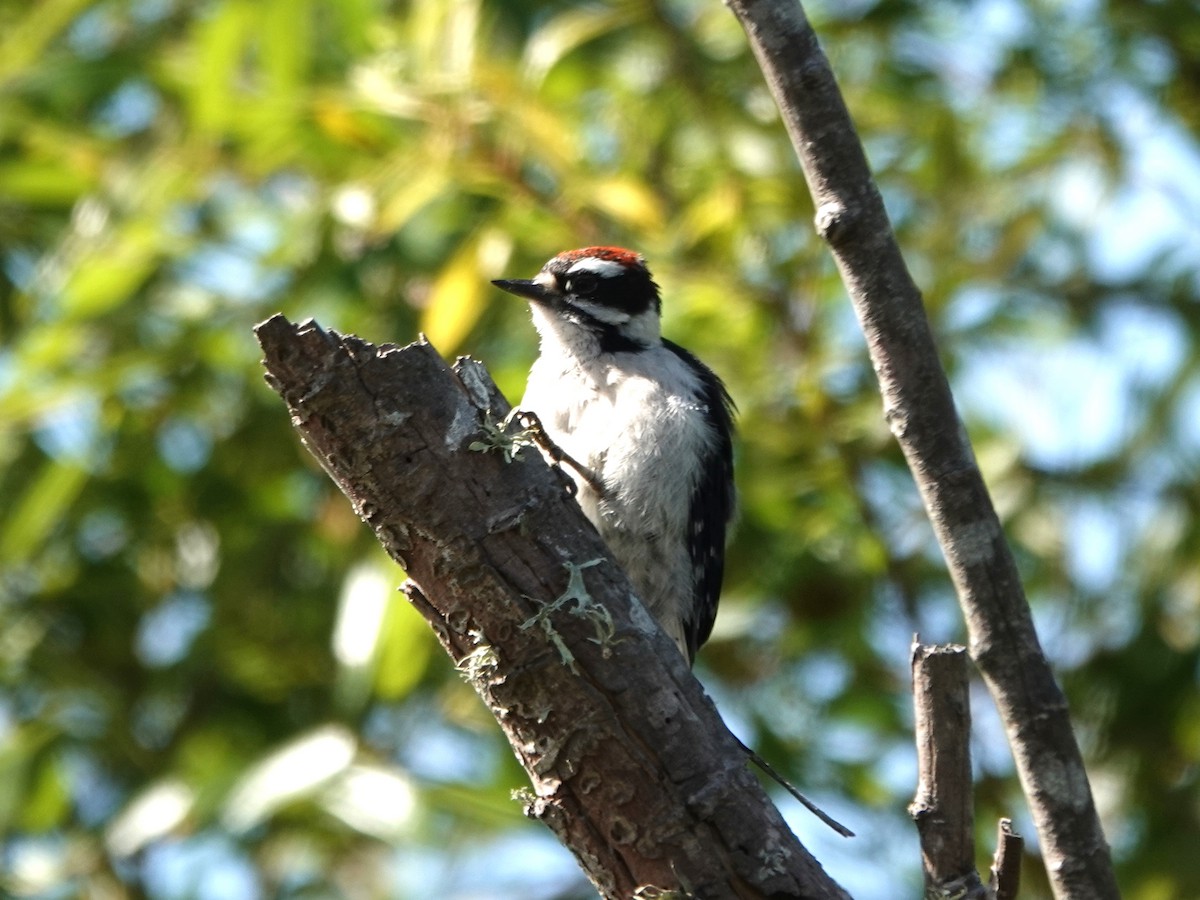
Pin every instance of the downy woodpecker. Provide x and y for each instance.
(649, 421)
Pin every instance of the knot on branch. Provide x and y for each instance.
(833, 220)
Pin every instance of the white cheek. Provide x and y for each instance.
(605, 314)
(645, 328)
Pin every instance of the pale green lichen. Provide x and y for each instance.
(595, 613)
(500, 435)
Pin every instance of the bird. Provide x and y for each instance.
(647, 430)
(648, 426)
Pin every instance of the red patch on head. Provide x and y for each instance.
(613, 254)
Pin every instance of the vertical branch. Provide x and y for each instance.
(1006, 864)
(920, 411)
(942, 808)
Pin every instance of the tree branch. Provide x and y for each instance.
(631, 766)
(1006, 864)
(943, 806)
(920, 411)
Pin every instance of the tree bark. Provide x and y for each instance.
(631, 766)
(920, 411)
(1006, 864)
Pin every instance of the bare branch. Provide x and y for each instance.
(630, 763)
(920, 411)
(942, 808)
(1006, 864)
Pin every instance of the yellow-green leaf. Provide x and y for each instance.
(710, 213)
(630, 202)
(49, 182)
(42, 506)
(567, 31)
(456, 301)
(410, 196)
(106, 278)
(404, 651)
(26, 39)
(222, 43)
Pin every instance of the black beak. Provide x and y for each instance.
(523, 287)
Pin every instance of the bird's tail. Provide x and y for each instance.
(791, 789)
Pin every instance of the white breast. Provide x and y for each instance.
(634, 419)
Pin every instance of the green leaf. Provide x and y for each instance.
(405, 650)
(456, 301)
(40, 510)
(221, 41)
(23, 41)
(43, 182)
(48, 799)
(567, 32)
(111, 275)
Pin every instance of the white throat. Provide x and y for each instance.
(564, 338)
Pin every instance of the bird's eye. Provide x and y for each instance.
(582, 283)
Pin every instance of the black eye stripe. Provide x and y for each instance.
(629, 289)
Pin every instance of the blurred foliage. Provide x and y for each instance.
(208, 685)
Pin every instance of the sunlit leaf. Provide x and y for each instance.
(455, 302)
(23, 41)
(408, 196)
(710, 213)
(39, 509)
(567, 31)
(345, 125)
(291, 772)
(150, 816)
(222, 40)
(19, 752)
(49, 347)
(285, 35)
(354, 22)
(110, 277)
(376, 800)
(405, 650)
(630, 202)
(284, 38)
(49, 798)
(42, 182)
(443, 39)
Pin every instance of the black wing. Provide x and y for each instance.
(711, 507)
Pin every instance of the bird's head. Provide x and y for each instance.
(605, 293)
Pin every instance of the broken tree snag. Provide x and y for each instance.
(942, 808)
(630, 763)
(1006, 864)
